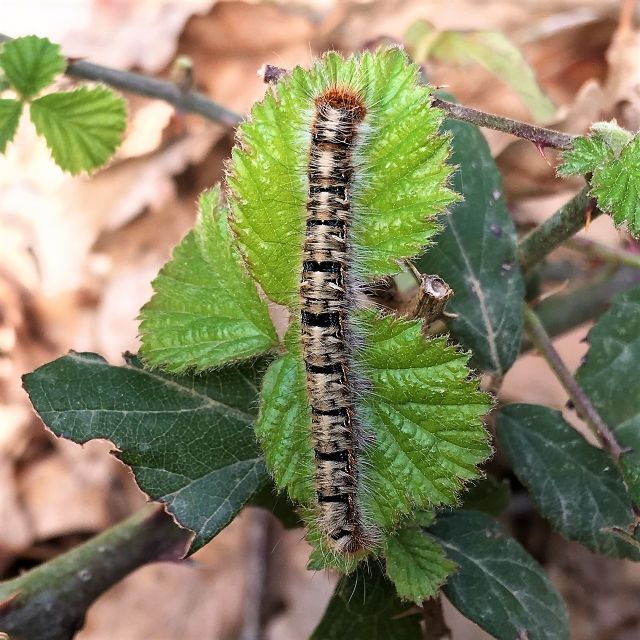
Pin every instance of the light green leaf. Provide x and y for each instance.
(187, 439)
(401, 179)
(422, 413)
(31, 63)
(83, 128)
(491, 49)
(608, 378)
(365, 607)
(616, 187)
(586, 155)
(206, 310)
(416, 564)
(10, 111)
(577, 487)
(498, 584)
(477, 255)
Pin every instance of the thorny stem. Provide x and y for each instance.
(50, 601)
(563, 224)
(188, 101)
(614, 255)
(585, 409)
(540, 136)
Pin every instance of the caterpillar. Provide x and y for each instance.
(325, 290)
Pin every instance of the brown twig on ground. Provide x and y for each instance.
(435, 627)
(585, 409)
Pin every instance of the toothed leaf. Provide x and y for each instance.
(82, 128)
(188, 439)
(400, 183)
(31, 63)
(416, 564)
(586, 155)
(10, 111)
(206, 310)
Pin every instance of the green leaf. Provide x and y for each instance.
(83, 128)
(616, 186)
(586, 155)
(491, 49)
(498, 585)
(206, 310)
(423, 415)
(401, 176)
(187, 439)
(364, 606)
(476, 254)
(10, 111)
(607, 378)
(31, 63)
(416, 564)
(577, 487)
(488, 495)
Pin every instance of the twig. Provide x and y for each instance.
(188, 101)
(585, 409)
(614, 255)
(564, 223)
(435, 627)
(50, 602)
(540, 136)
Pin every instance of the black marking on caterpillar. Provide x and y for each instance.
(327, 293)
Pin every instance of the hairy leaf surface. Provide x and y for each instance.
(576, 486)
(82, 128)
(476, 253)
(187, 439)
(365, 606)
(10, 111)
(498, 584)
(206, 310)
(31, 63)
(608, 379)
(401, 179)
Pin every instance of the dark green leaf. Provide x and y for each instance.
(188, 439)
(577, 487)
(365, 607)
(83, 128)
(31, 63)
(488, 495)
(10, 111)
(498, 585)
(610, 380)
(476, 254)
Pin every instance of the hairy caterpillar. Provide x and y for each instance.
(325, 290)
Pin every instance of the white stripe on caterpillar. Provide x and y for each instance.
(325, 306)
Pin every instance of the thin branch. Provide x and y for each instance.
(188, 101)
(564, 223)
(613, 255)
(585, 409)
(540, 136)
(50, 602)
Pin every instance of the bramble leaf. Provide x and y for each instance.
(586, 156)
(491, 49)
(576, 486)
(423, 414)
(416, 564)
(498, 584)
(614, 352)
(402, 174)
(205, 311)
(476, 253)
(82, 128)
(365, 606)
(31, 63)
(10, 111)
(188, 439)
